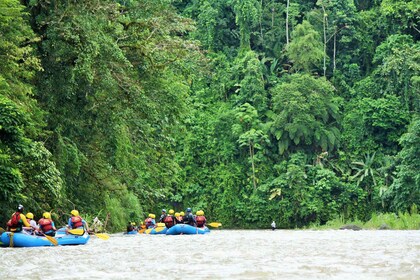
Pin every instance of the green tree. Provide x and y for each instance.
(405, 190)
(28, 175)
(248, 13)
(305, 114)
(250, 132)
(305, 50)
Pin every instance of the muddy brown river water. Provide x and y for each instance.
(225, 254)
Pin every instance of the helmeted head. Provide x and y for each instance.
(171, 211)
(177, 214)
(152, 216)
(164, 211)
(74, 212)
(20, 208)
(46, 215)
(200, 213)
(188, 210)
(133, 223)
(29, 215)
(182, 213)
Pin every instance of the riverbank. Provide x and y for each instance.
(383, 221)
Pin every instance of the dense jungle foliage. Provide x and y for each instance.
(297, 111)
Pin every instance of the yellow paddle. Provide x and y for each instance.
(102, 236)
(50, 238)
(157, 229)
(79, 231)
(214, 224)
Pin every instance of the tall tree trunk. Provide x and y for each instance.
(261, 29)
(287, 23)
(251, 153)
(324, 21)
(335, 49)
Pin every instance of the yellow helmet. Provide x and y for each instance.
(182, 213)
(177, 214)
(74, 212)
(200, 213)
(29, 215)
(152, 216)
(133, 223)
(171, 211)
(46, 215)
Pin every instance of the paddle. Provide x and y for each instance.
(50, 238)
(102, 236)
(157, 229)
(1, 230)
(214, 224)
(79, 231)
(11, 239)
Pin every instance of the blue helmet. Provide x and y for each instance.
(164, 210)
(188, 209)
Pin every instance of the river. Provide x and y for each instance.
(225, 254)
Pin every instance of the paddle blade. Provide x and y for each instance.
(158, 229)
(103, 236)
(51, 239)
(160, 224)
(77, 231)
(1, 230)
(215, 224)
(148, 230)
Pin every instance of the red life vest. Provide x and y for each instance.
(14, 221)
(76, 221)
(200, 221)
(169, 221)
(148, 222)
(46, 224)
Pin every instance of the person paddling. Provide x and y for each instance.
(150, 221)
(163, 216)
(189, 218)
(34, 226)
(200, 219)
(17, 221)
(178, 218)
(169, 220)
(76, 222)
(46, 224)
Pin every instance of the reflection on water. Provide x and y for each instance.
(227, 254)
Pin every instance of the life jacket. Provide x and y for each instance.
(148, 222)
(169, 221)
(14, 222)
(45, 224)
(200, 221)
(76, 222)
(188, 219)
